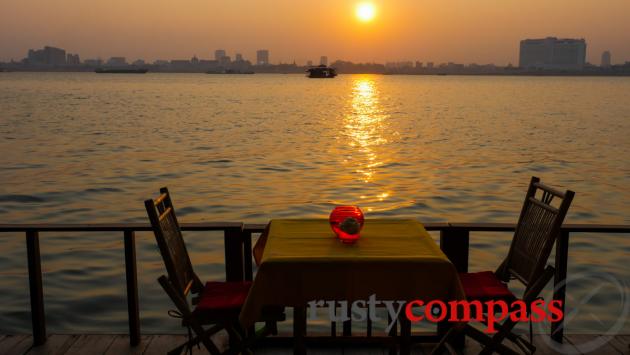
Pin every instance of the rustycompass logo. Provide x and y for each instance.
(435, 311)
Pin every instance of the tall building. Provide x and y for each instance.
(48, 55)
(238, 57)
(309, 63)
(73, 59)
(262, 57)
(219, 54)
(606, 59)
(323, 60)
(553, 53)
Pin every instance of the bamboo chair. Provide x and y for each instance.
(537, 229)
(216, 303)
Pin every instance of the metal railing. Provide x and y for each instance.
(454, 241)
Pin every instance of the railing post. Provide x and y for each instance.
(131, 273)
(559, 282)
(247, 256)
(233, 240)
(455, 244)
(36, 288)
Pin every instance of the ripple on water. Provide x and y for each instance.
(21, 198)
(449, 154)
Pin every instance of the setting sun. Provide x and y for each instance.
(366, 12)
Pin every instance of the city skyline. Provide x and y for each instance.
(220, 57)
(452, 30)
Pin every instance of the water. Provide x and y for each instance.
(87, 148)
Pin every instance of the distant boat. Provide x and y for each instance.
(321, 71)
(120, 71)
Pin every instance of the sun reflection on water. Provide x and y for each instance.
(364, 125)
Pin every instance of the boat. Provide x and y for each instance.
(120, 71)
(321, 71)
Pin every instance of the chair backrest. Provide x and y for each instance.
(172, 247)
(538, 227)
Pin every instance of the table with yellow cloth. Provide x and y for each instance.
(303, 261)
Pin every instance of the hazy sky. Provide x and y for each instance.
(463, 31)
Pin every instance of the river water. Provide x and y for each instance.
(88, 148)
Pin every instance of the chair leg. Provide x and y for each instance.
(205, 338)
(235, 337)
(196, 339)
(497, 338)
(485, 340)
(444, 342)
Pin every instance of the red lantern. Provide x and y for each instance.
(346, 222)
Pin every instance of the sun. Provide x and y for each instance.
(366, 12)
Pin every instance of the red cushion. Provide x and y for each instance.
(223, 295)
(485, 286)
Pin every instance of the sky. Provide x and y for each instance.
(462, 31)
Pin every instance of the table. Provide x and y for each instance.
(302, 261)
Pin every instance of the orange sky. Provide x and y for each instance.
(463, 31)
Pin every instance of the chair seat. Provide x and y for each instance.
(485, 286)
(223, 296)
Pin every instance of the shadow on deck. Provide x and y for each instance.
(160, 344)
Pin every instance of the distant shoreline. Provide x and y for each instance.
(513, 73)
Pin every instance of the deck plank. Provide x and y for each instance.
(16, 344)
(546, 346)
(90, 345)
(621, 343)
(592, 344)
(368, 351)
(56, 344)
(161, 344)
(121, 345)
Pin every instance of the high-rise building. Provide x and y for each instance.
(48, 55)
(55, 56)
(238, 57)
(262, 57)
(323, 60)
(553, 53)
(606, 59)
(73, 59)
(309, 63)
(219, 54)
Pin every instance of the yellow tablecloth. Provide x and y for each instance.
(302, 261)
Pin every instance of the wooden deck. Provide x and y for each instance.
(159, 344)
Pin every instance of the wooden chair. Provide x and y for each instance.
(537, 229)
(216, 303)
